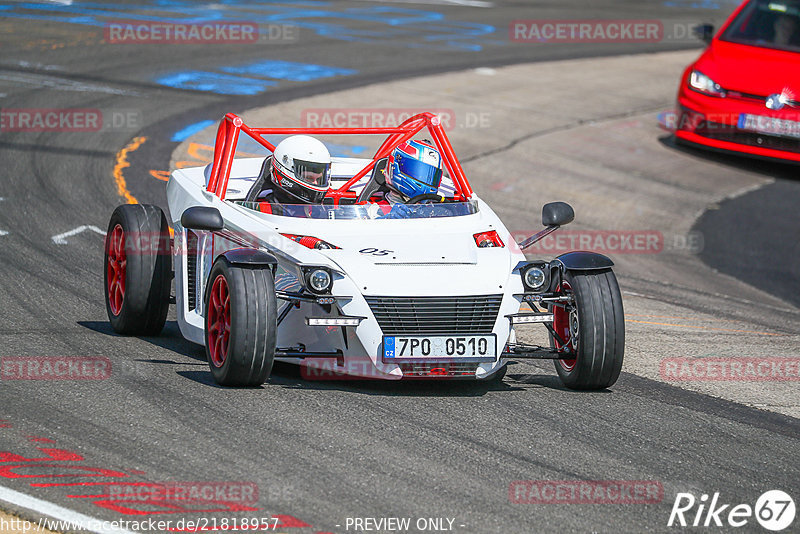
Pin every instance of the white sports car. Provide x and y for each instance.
(344, 288)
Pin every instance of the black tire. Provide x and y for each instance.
(137, 271)
(251, 317)
(599, 346)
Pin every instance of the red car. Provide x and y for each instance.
(743, 93)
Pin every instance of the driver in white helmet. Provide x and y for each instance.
(298, 172)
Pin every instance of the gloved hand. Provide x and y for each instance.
(399, 211)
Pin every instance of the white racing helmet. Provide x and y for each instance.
(301, 168)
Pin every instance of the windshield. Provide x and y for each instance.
(364, 211)
(767, 24)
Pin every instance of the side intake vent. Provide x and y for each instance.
(191, 269)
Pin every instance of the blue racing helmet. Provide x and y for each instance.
(415, 168)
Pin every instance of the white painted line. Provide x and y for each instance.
(78, 520)
(470, 3)
(41, 66)
(61, 84)
(61, 239)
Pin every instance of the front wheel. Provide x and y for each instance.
(591, 330)
(241, 324)
(137, 270)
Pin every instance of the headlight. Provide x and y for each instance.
(535, 278)
(703, 84)
(319, 280)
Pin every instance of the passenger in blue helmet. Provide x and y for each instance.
(414, 168)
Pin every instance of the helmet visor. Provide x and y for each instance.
(419, 170)
(312, 173)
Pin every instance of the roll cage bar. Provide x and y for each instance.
(231, 125)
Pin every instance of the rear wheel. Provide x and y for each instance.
(138, 271)
(592, 330)
(241, 324)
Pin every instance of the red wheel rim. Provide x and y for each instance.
(219, 321)
(117, 263)
(562, 326)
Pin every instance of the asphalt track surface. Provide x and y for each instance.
(319, 452)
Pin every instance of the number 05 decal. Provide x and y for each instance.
(375, 252)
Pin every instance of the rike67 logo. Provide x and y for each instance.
(774, 510)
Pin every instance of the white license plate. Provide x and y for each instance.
(427, 347)
(769, 125)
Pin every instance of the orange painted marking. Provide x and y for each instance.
(160, 175)
(122, 163)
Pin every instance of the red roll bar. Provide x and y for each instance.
(231, 125)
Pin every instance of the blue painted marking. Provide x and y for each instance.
(414, 27)
(701, 4)
(250, 146)
(224, 84)
(286, 70)
(338, 150)
(188, 131)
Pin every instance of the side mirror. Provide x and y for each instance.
(704, 32)
(557, 214)
(202, 218)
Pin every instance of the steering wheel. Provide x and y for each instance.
(421, 199)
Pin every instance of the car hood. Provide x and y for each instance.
(455, 248)
(425, 258)
(751, 69)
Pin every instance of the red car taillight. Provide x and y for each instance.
(488, 239)
(310, 242)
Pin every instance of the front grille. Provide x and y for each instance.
(191, 269)
(435, 315)
(723, 132)
(438, 369)
(760, 98)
